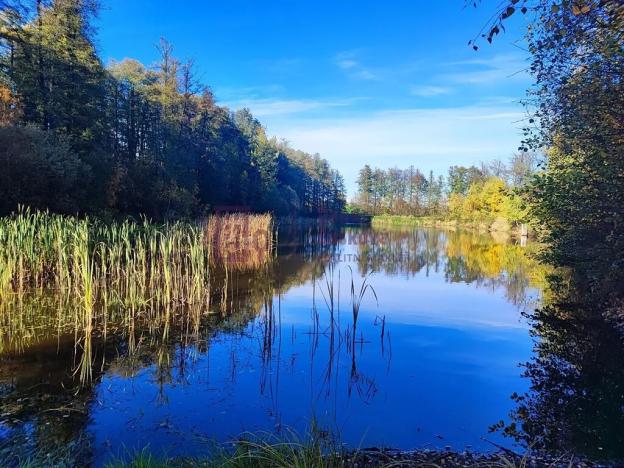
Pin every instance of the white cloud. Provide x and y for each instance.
(346, 64)
(432, 139)
(430, 91)
(348, 61)
(486, 71)
(281, 107)
(364, 74)
(497, 69)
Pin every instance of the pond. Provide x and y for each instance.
(405, 338)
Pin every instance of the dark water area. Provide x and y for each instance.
(444, 349)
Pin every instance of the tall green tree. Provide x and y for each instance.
(149, 140)
(577, 49)
(460, 178)
(365, 186)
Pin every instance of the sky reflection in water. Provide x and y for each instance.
(434, 361)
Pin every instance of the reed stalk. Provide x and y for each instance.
(119, 272)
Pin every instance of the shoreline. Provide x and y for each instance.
(497, 225)
(282, 454)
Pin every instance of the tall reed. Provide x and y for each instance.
(118, 272)
(86, 256)
(90, 259)
(240, 240)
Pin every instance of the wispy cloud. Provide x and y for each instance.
(349, 62)
(365, 74)
(281, 107)
(427, 138)
(410, 132)
(346, 64)
(486, 71)
(498, 69)
(430, 91)
(346, 58)
(234, 93)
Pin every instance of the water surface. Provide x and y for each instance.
(431, 360)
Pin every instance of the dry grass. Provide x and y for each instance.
(239, 240)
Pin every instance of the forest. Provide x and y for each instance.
(473, 194)
(129, 138)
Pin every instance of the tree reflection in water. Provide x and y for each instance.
(46, 406)
(462, 256)
(576, 398)
(577, 377)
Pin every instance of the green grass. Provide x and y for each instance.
(477, 223)
(294, 454)
(251, 451)
(406, 220)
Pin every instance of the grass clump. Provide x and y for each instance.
(250, 451)
(273, 453)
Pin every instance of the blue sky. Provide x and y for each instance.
(389, 83)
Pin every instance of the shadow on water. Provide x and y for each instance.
(304, 340)
(576, 398)
(45, 349)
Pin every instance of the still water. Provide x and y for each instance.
(427, 356)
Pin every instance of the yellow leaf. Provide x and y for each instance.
(576, 10)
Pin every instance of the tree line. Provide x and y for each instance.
(471, 193)
(132, 139)
(398, 191)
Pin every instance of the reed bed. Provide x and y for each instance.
(94, 260)
(102, 277)
(239, 240)
(87, 257)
